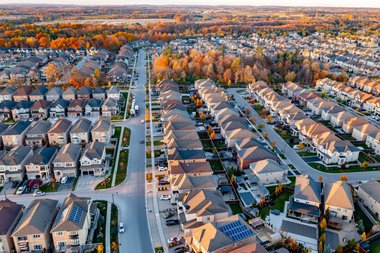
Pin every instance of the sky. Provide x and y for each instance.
(329, 3)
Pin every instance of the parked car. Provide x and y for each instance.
(38, 193)
(142, 121)
(37, 184)
(64, 180)
(169, 215)
(172, 222)
(180, 249)
(162, 168)
(174, 241)
(165, 197)
(163, 182)
(31, 183)
(22, 188)
(295, 147)
(121, 228)
(142, 141)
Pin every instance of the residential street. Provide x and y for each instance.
(292, 155)
(130, 195)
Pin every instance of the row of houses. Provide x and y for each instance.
(206, 220)
(43, 109)
(45, 225)
(55, 93)
(358, 127)
(63, 131)
(45, 163)
(355, 97)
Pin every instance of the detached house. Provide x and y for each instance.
(22, 110)
(76, 108)
(114, 93)
(59, 133)
(338, 152)
(7, 93)
(6, 109)
(54, 94)
(92, 161)
(269, 171)
(349, 125)
(69, 94)
(66, 162)
(32, 233)
(22, 94)
(80, 132)
(15, 135)
(360, 133)
(39, 166)
(369, 194)
(59, 108)
(92, 108)
(339, 202)
(99, 93)
(253, 154)
(37, 134)
(12, 164)
(102, 131)
(38, 94)
(40, 109)
(110, 107)
(84, 93)
(71, 226)
(10, 213)
(373, 141)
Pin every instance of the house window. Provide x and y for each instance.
(59, 233)
(22, 238)
(38, 247)
(61, 244)
(36, 236)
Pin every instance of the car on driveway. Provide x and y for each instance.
(174, 241)
(22, 188)
(165, 197)
(121, 228)
(142, 121)
(38, 193)
(64, 180)
(162, 168)
(180, 250)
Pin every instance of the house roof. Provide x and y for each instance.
(61, 102)
(77, 102)
(187, 182)
(42, 156)
(61, 126)
(339, 194)
(84, 91)
(178, 167)
(23, 91)
(39, 91)
(101, 125)
(113, 90)
(81, 125)
(72, 215)
(55, 91)
(185, 144)
(367, 129)
(41, 104)
(68, 153)
(94, 150)
(24, 104)
(372, 188)
(267, 166)
(70, 91)
(36, 218)
(248, 142)
(178, 154)
(15, 156)
(8, 212)
(307, 189)
(17, 128)
(94, 102)
(341, 146)
(204, 202)
(256, 153)
(41, 127)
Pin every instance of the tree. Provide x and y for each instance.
(202, 116)
(364, 164)
(100, 248)
(266, 134)
(261, 126)
(253, 120)
(339, 249)
(364, 236)
(212, 135)
(320, 247)
(252, 101)
(290, 77)
(209, 129)
(52, 182)
(273, 144)
(343, 178)
(323, 224)
(301, 146)
(320, 178)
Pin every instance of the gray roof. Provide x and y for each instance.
(37, 218)
(94, 102)
(72, 215)
(94, 150)
(70, 91)
(267, 166)
(8, 212)
(3, 127)
(17, 128)
(85, 91)
(299, 229)
(15, 156)
(101, 125)
(41, 104)
(82, 125)
(39, 91)
(8, 90)
(308, 189)
(61, 102)
(61, 126)
(68, 153)
(113, 90)
(372, 188)
(42, 156)
(55, 91)
(41, 127)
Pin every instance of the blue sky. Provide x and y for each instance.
(337, 3)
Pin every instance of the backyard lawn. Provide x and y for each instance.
(278, 203)
(216, 165)
(374, 246)
(360, 215)
(235, 208)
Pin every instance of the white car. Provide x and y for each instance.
(38, 193)
(64, 180)
(174, 239)
(162, 168)
(142, 121)
(20, 190)
(295, 147)
(165, 197)
(121, 228)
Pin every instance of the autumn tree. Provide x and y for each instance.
(343, 178)
(323, 224)
(212, 135)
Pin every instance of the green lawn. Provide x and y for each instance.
(216, 165)
(306, 153)
(355, 168)
(203, 135)
(121, 173)
(126, 137)
(99, 234)
(278, 203)
(49, 187)
(360, 215)
(207, 144)
(114, 225)
(374, 246)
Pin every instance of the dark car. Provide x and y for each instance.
(15, 184)
(172, 222)
(163, 182)
(180, 250)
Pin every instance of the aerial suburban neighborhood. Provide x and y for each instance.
(189, 128)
